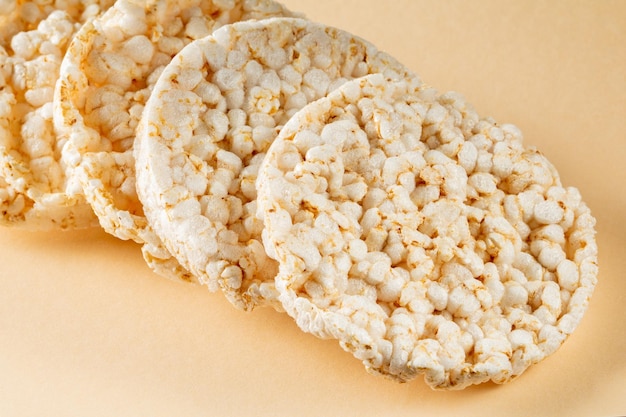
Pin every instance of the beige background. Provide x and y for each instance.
(87, 330)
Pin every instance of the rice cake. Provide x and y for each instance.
(34, 37)
(422, 238)
(212, 115)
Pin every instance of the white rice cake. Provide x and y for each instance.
(34, 37)
(424, 239)
(212, 115)
(106, 77)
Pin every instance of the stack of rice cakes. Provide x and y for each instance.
(291, 164)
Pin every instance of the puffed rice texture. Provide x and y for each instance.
(423, 238)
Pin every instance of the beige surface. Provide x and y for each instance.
(87, 330)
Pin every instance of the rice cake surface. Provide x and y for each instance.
(423, 238)
(34, 37)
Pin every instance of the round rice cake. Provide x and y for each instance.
(106, 78)
(422, 238)
(212, 115)
(34, 38)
